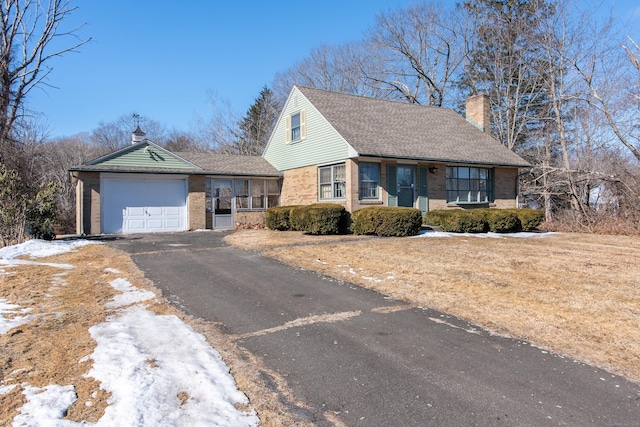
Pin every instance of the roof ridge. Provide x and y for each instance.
(372, 99)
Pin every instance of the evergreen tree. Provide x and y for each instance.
(256, 126)
(504, 63)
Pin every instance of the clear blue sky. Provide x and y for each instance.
(159, 57)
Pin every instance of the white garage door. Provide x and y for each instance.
(143, 205)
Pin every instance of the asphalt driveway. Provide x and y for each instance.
(370, 360)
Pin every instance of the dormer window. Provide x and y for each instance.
(296, 127)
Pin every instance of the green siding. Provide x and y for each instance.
(151, 158)
(392, 185)
(423, 199)
(321, 146)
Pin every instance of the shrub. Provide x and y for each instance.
(23, 213)
(482, 220)
(530, 219)
(319, 218)
(42, 214)
(502, 220)
(459, 221)
(386, 221)
(278, 218)
(435, 218)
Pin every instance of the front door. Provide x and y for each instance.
(221, 199)
(406, 185)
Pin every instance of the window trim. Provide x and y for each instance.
(302, 127)
(334, 182)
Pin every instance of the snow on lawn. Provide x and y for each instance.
(12, 322)
(158, 370)
(41, 248)
(489, 235)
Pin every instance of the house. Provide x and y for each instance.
(326, 147)
(358, 151)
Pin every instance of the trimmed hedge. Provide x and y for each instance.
(459, 221)
(278, 218)
(530, 219)
(502, 221)
(319, 218)
(482, 220)
(386, 221)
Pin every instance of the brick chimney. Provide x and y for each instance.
(477, 111)
(138, 136)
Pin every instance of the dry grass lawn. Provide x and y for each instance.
(575, 294)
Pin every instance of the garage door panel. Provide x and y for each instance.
(172, 223)
(172, 211)
(138, 205)
(155, 224)
(154, 210)
(134, 211)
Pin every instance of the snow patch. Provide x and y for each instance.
(7, 324)
(489, 235)
(27, 262)
(44, 405)
(42, 248)
(145, 360)
(130, 294)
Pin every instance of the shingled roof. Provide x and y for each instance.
(382, 128)
(229, 164)
(203, 164)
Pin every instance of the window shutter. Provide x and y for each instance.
(303, 124)
(287, 130)
(392, 185)
(423, 195)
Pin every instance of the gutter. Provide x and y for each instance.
(455, 162)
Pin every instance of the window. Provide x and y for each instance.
(368, 179)
(273, 193)
(257, 194)
(469, 184)
(241, 187)
(244, 194)
(332, 182)
(295, 127)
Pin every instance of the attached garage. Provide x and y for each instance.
(148, 204)
(145, 188)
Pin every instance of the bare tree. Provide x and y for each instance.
(56, 158)
(338, 68)
(218, 131)
(585, 83)
(418, 50)
(182, 141)
(28, 29)
(116, 134)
